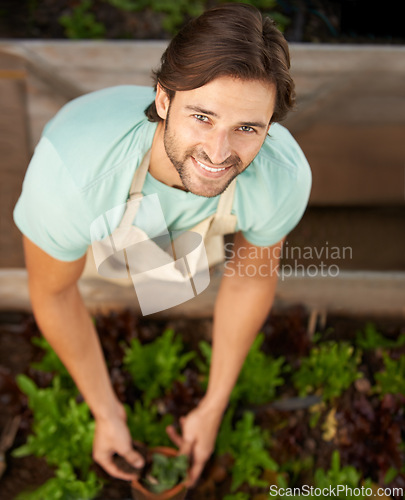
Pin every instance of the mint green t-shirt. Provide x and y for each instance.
(85, 161)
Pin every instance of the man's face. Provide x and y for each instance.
(214, 132)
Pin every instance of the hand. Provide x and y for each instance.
(112, 436)
(199, 431)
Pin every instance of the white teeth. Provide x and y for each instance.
(209, 169)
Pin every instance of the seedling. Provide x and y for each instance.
(166, 472)
(392, 379)
(155, 366)
(330, 369)
(371, 338)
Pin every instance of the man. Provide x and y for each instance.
(223, 83)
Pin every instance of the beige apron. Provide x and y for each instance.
(108, 259)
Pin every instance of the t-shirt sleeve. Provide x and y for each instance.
(50, 210)
(289, 211)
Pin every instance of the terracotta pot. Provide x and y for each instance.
(178, 492)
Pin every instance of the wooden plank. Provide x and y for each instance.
(14, 154)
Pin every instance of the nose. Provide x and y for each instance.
(218, 147)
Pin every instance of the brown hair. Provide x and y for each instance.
(230, 40)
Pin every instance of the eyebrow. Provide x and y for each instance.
(203, 111)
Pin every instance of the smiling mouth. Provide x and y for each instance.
(210, 169)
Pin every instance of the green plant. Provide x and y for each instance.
(259, 371)
(166, 472)
(246, 443)
(65, 486)
(155, 366)
(371, 338)
(62, 428)
(50, 362)
(330, 368)
(268, 7)
(237, 496)
(146, 426)
(177, 12)
(390, 475)
(392, 379)
(62, 433)
(203, 362)
(81, 23)
(347, 477)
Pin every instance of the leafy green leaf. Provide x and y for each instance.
(147, 426)
(167, 472)
(81, 22)
(261, 372)
(65, 486)
(330, 368)
(370, 338)
(392, 379)
(155, 366)
(237, 496)
(337, 475)
(247, 445)
(62, 428)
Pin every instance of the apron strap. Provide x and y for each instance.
(140, 176)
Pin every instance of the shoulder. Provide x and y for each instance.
(281, 152)
(123, 102)
(273, 191)
(97, 131)
(279, 168)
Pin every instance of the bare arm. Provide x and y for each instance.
(64, 321)
(244, 300)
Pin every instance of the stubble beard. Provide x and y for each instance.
(212, 187)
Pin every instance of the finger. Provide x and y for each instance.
(134, 459)
(194, 473)
(114, 471)
(174, 436)
(186, 448)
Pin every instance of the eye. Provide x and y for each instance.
(246, 129)
(201, 118)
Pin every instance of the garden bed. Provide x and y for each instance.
(327, 409)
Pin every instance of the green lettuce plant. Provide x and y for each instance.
(337, 475)
(247, 443)
(370, 338)
(51, 363)
(155, 366)
(62, 433)
(237, 496)
(65, 486)
(62, 428)
(81, 22)
(147, 426)
(259, 371)
(330, 369)
(392, 379)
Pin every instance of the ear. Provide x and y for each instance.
(162, 102)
